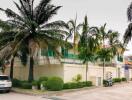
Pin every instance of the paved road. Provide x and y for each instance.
(15, 96)
(120, 92)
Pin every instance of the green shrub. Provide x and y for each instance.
(16, 83)
(41, 79)
(70, 85)
(26, 85)
(74, 85)
(77, 78)
(44, 83)
(89, 83)
(116, 80)
(123, 79)
(66, 86)
(35, 83)
(55, 84)
(80, 85)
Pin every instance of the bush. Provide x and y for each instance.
(35, 83)
(55, 84)
(44, 83)
(21, 84)
(123, 79)
(66, 86)
(70, 85)
(16, 83)
(26, 85)
(89, 83)
(77, 78)
(80, 85)
(41, 79)
(116, 80)
(74, 85)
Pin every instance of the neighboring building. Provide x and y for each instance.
(68, 67)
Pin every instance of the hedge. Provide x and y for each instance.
(21, 84)
(74, 85)
(123, 79)
(117, 80)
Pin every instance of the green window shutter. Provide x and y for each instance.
(119, 58)
(50, 52)
(64, 52)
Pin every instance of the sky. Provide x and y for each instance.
(112, 12)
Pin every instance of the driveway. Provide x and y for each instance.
(119, 92)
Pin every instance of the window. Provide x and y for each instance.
(64, 52)
(47, 52)
(119, 58)
(4, 78)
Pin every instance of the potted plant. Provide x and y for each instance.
(34, 85)
(43, 85)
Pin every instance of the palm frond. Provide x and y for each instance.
(128, 34)
(55, 25)
(10, 13)
(129, 12)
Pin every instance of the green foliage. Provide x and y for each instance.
(35, 83)
(26, 85)
(77, 78)
(74, 85)
(55, 84)
(28, 18)
(16, 83)
(89, 83)
(41, 79)
(104, 54)
(21, 84)
(123, 79)
(44, 83)
(116, 80)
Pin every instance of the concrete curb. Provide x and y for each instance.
(51, 93)
(57, 93)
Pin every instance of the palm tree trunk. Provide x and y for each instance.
(31, 66)
(12, 67)
(103, 68)
(86, 71)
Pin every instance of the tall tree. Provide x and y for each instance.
(104, 55)
(74, 32)
(88, 44)
(103, 35)
(34, 29)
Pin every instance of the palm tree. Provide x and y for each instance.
(128, 33)
(6, 30)
(103, 34)
(34, 29)
(74, 32)
(7, 33)
(104, 55)
(88, 44)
